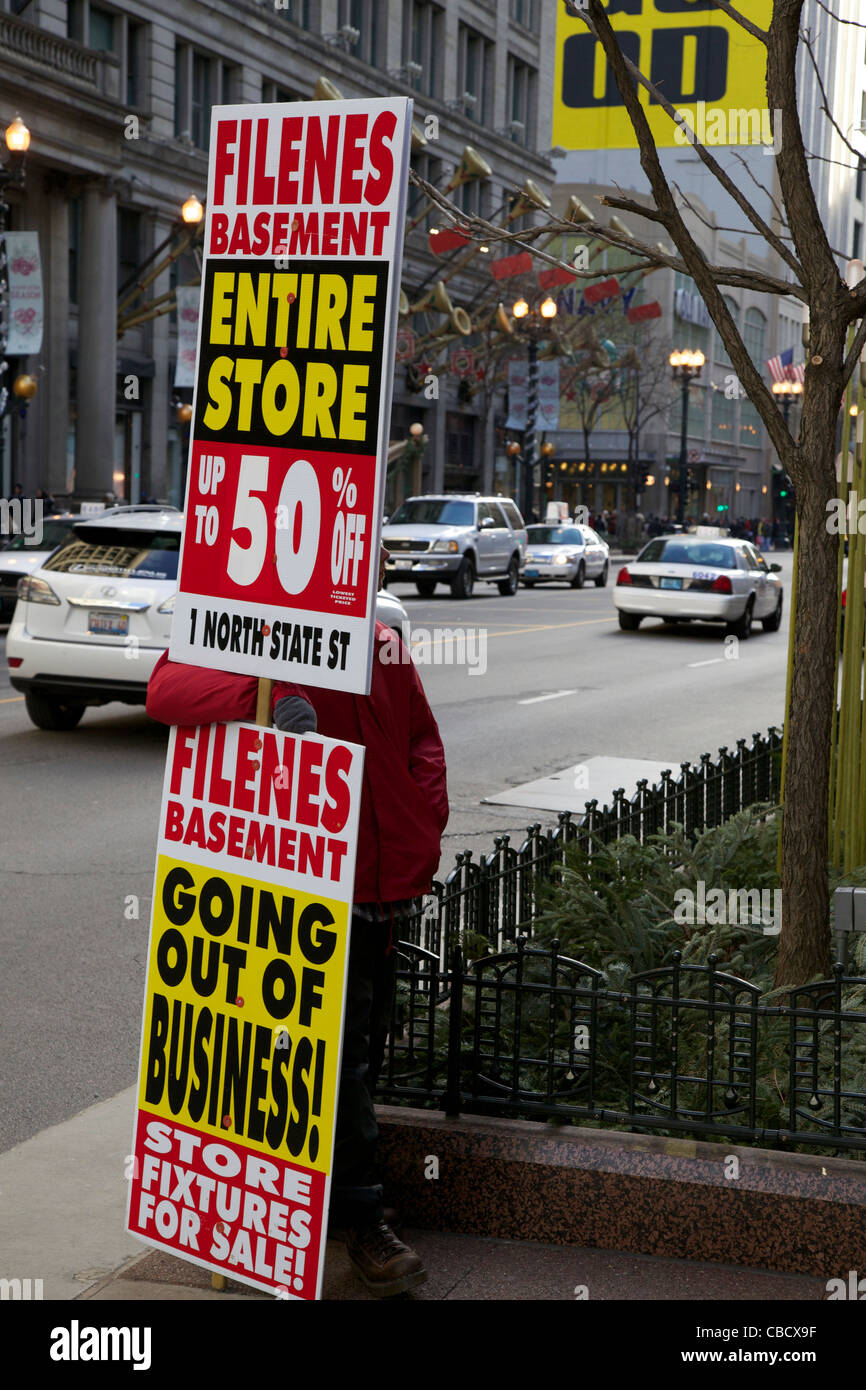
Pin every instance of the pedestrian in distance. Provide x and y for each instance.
(404, 810)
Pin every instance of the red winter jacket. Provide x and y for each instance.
(404, 800)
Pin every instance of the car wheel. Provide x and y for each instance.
(508, 587)
(601, 579)
(743, 626)
(46, 713)
(629, 622)
(464, 580)
(774, 622)
(425, 587)
(578, 580)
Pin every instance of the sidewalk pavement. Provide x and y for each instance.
(485, 1270)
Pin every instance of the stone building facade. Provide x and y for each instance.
(117, 98)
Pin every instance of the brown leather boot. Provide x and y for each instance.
(383, 1262)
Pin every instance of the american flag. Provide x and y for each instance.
(782, 368)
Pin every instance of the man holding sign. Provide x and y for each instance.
(404, 809)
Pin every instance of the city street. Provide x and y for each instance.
(562, 685)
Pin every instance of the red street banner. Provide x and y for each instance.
(605, 289)
(242, 1022)
(446, 239)
(556, 275)
(288, 451)
(653, 310)
(507, 266)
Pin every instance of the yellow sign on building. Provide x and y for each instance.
(708, 67)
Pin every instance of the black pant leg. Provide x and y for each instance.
(356, 1193)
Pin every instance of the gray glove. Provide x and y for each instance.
(294, 715)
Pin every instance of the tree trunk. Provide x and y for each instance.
(804, 945)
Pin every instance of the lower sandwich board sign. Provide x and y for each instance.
(242, 1024)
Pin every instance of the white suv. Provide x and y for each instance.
(455, 539)
(91, 622)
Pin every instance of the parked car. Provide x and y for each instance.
(568, 554)
(93, 619)
(455, 539)
(698, 579)
(24, 554)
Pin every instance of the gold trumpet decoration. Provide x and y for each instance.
(325, 90)
(471, 167)
(528, 199)
(457, 325)
(435, 298)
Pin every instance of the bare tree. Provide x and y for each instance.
(837, 336)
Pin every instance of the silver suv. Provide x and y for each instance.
(455, 539)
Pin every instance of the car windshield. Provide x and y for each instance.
(679, 551)
(120, 553)
(434, 511)
(52, 533)
(554, 535)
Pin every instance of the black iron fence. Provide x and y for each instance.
(685, 1049)
(497, 896)
(487, 1021)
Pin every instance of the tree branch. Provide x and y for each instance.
(825, 105)
(855, 23)
(856, 349)
(591, 22)
(744, 23)
(696, 265)
(819, 271)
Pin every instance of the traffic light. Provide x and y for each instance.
(722, 507)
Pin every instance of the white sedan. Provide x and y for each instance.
(688, 578)
(570, 554)
(91, 622)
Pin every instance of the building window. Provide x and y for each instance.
(520, 101)
(861, 169)
(272, 91)
(857, 241)
(423, 34)
(724, 418)
(362, 15)
(75, 20)
(134, 59)
(201, 82)
(201, 100)
(101, 35)
(74, 247)
(128, 246)
(751, 425)
(472, 198)
(474, 74)
(429, 169)
(721, 352)
(754, 336)
(524, 12)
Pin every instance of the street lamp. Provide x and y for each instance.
(686, 367)
(192, 210)
(11, 176)
(534, 325)
(787, 392)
